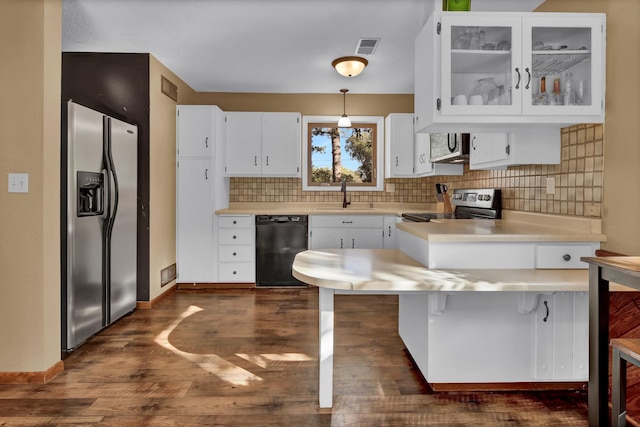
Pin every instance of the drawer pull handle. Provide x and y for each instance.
(234, 254)
(235, 222)
(234, 237)
(547, 315)
(235, 272)
(347, 222)
(566, 257)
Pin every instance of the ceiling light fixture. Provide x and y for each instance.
(344, 121)
(349, 66)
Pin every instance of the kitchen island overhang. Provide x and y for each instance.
(463, 326)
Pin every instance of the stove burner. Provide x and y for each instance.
(470, 204)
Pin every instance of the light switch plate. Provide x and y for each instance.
(18, 183)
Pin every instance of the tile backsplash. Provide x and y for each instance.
(578, 182)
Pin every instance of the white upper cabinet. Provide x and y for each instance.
(398, 144)
(407, 154)
(263, 144)
(489, 69)
(281, 139)
(194, 131)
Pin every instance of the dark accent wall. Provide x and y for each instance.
(117, 84)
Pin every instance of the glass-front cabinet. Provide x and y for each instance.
(519, 66)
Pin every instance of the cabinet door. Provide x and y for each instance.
(568, 54)
(423, 166)
(488, 147)
(281, 139)
(399, 145)
(194, 126)
(364, 238)
(389, 230)
(327, 238)
(194, 234)
(477, 80)
(244, 141)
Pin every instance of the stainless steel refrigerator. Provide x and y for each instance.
(98, 222)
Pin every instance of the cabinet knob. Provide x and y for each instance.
(566, 257)
(234, 254)
(235, 222)
(235, 272)
(234, 237)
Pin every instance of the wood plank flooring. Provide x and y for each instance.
(248, 357)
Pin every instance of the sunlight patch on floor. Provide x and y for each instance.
(266, 360)
(211, 363)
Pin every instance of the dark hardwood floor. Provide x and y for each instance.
(249, 358)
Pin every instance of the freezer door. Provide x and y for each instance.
(83, 290)
(124, 155)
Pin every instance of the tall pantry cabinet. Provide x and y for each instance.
(201, 189)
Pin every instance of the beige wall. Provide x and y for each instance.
(622, 123)
(162, 153)
(30, 34)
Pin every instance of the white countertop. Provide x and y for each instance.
(391, 270)
(514, 227)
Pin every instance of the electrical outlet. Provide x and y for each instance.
(592, 210)
(18, 183)
(551, 186)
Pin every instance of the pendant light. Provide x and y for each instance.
(344, 121)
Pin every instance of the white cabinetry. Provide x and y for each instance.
(236, 256)
(398, 144)
(263, 144)
(346, 231)
(514, 336)
(200, 190)
(502, 57)
(561, 336)
(502, 149)
(407, 154)
(389, 231)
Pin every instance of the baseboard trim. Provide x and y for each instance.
(521, 386)
(200, 286)
(32, 377)
(148, 305)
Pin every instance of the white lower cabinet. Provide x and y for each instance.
(236, 250)
(389, 231)
(346, 231)
(513, 336)
(561, 336)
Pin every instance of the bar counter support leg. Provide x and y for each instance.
(326, 299)
(598, 348)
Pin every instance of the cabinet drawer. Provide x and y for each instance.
(562, 256)
(237, 272)
(235, 253)
(347, 221)
(234, 222)
(241, 236)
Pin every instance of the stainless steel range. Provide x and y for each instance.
(469, 204)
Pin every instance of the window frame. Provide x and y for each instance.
(378, 172)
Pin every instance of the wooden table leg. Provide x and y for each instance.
(326, 297)
(598, 348)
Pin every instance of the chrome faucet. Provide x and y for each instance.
(343, 188)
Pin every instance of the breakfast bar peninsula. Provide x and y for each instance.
(472, 345)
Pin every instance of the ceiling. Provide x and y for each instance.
(263, 46)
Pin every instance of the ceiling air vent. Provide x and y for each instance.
(367, 46)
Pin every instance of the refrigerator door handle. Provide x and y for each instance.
(106, 194)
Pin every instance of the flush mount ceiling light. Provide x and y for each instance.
(349, 66)
(344, 121)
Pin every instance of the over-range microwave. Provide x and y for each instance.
(449, 147)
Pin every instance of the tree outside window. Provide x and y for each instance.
(337, 154)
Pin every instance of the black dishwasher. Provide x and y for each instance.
(278, 239)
